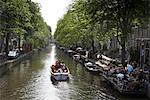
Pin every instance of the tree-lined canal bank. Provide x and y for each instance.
(30, 80)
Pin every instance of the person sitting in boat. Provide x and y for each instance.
(120, 76)
(131, 77)
(53, 68)
(113, 70)
(141, 76)
(63, 67)
(57, 65)
(135, 64)
(130, 68)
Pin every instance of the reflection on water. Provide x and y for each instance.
(30, 80)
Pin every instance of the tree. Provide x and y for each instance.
(2, 4)
(75, 28)
(40, 31)
(119, 16)
(22, 19)
(15, 17)
(101, 19)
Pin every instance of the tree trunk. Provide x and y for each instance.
(123, 51)
(2, 45)
(7, 44)
(125, 33)
(19, 43)
(93, 46)
(123, 40)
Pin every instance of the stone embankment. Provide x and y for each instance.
(6, 65)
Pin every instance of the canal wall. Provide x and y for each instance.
(8, 64)
(148, 90)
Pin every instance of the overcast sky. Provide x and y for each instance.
(53, 10)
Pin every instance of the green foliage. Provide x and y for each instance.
(118, 14)
(99, 20)
(40, 31)
(2, 4)
(75, 27)
(22, 18)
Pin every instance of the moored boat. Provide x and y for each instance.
(92, 67)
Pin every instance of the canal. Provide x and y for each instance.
(30, 80)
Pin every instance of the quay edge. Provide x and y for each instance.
(8, 64)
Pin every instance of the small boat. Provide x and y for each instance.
(76, 57)
(71, 52)
(60, 75)
(92, 67)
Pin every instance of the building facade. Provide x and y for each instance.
(139, 39)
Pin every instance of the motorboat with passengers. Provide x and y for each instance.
(59, 71)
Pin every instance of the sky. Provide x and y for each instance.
(53, 10)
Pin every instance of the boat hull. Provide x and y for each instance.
(60, 76)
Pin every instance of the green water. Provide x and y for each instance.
(30, 80)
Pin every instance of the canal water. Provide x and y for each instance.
(30, 80)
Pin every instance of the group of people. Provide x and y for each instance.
(132, 73)
(59, 67)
